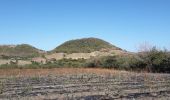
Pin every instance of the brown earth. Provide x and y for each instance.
(82, 84)
(103, 52)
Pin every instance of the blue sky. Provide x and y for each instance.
(46, 24)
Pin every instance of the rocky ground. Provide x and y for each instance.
(86, 86)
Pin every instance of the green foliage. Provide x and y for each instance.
(117, 62)
(109, 62)
(56, 64)
(157, 60)
(69, 63)
(152, 61)
(136, 63)
(23, 51)
(103, 62)
(8, 66)
(92, 63)
(85, 45)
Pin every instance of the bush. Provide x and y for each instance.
(109, 62)
(103, 62)
(137, 64)
(93, 63)
(157, 60)
(118, 62)
(67, 63)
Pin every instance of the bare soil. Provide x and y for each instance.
(82, 84)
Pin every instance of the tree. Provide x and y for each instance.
(157, 60)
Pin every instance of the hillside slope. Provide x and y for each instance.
(85, 45)
(23, 50)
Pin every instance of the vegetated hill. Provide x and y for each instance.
(23, 50)
(84, 45)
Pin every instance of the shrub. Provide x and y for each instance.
(118, 62)
(103, 62)
(109, 62)
(157, 60)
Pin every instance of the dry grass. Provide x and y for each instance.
(56, 71)
(77, 83)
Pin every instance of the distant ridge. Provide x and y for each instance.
(22, 50)
(84, 45)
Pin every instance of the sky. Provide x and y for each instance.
(46, 24)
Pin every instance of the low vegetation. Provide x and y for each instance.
(48, 64)
(97, 78)
(154, 60)
(117, 62)
(157, 61)
(85, 45)
(22, 51)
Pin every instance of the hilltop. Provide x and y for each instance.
(85, 45)
(22, 50)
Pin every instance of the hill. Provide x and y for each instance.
(23, 50)
(85, 45)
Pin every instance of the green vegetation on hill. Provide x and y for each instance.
(23, 50)
(84, 45)
(157, 61)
